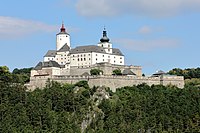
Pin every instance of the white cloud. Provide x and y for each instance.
(95, 8)
(155, 8)
(13, 27)
(147, 45)
(145, 30)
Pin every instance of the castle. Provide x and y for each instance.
(70, 65)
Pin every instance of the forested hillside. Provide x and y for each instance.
(64, 108)
(188, 73)
(17, 76)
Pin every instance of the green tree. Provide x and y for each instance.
(23, 75)
(117, 72)
(82, 83)
(4, 70)
(96, 71)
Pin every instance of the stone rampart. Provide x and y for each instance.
(111, 81)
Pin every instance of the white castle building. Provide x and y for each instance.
(70, 65)
(83, 56)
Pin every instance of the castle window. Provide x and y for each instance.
(114, 61)
(108, 50)
(81, 59)
(103, 59)
(78, 55)
(108, 45)
(61, 58)
(89, 54)
(102, 45)
(78, 59)
(114, 56)
(96, 59)
(103, 55)
(89, 58)
(81, 55)
(108, 56)
(120, 61)
(96, 54)
(73, 55)
(120, 57)
(84, 59)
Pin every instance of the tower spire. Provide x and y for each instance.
(62, 29)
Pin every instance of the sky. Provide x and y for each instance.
(154, 34)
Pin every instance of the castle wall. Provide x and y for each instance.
(172, 80)
(113, 82)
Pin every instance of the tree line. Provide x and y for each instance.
(188, 73)
(16, 76)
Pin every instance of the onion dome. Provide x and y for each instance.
(104, 38)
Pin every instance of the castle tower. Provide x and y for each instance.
(62, 38)
(104, 42)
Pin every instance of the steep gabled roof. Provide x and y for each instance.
(116, 51)
(128, 72)
(41, 65)
(38, 66)
(158, 73)
(50, 53)
(51, 64)
(87, 49)
(64, 48)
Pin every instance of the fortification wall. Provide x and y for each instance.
(172, 80)
(106, 68)
(113, 82)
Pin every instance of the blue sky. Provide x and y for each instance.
(156, 34)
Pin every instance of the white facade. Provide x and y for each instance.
(49, 58)
(62, 39)
(81, 60)
(62, 58)
(107, 46)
